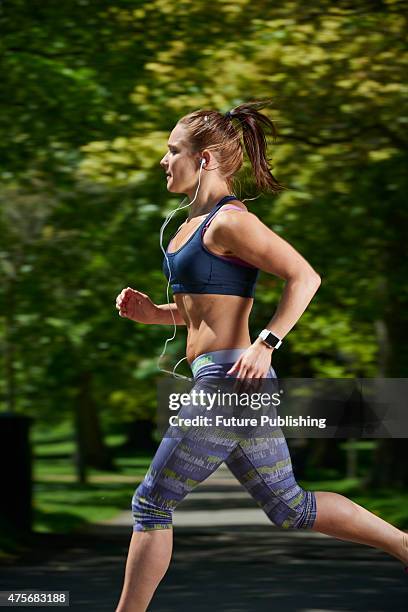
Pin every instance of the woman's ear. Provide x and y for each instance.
(205, 159)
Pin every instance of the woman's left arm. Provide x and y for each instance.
(248, 238)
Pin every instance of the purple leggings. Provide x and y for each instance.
(262, 465)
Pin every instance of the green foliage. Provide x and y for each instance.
(90, 93)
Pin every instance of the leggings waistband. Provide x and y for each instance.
(215, 357)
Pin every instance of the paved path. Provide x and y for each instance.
(227, 557)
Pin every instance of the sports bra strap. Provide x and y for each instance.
(227, 207)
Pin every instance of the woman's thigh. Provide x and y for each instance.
(180, 464)
(264, 467)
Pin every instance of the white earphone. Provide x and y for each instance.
(168, 218)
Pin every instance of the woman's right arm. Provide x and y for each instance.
(138, 307)
(164, 315)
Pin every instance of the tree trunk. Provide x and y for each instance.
(325, 453)
(140, 436)
(91, 449)
(390, 465)
(9, 348)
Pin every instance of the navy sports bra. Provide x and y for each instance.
(194, 269)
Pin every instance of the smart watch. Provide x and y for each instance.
(270, 339)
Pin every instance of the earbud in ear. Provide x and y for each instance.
(203, 162)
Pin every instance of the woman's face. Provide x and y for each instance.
(180, 165)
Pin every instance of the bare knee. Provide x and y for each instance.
(333, 504)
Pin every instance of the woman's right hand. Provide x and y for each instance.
(136, 306)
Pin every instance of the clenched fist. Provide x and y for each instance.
(136, 306)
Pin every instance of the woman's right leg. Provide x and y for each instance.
(147, 562)
(178, 466)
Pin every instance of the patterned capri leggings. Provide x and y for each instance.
(262, 465)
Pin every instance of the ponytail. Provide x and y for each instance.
(254, 124)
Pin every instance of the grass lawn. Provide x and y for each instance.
(62, 504)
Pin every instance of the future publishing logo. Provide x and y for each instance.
(233, 421)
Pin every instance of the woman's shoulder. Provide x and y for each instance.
(234, 215)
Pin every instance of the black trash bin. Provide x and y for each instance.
(16, 471)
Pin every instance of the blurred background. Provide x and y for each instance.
(90, 92)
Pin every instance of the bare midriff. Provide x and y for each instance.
(214, 322)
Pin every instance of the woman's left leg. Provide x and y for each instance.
(341, 518)
(264, 467)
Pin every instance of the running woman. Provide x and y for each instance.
(213, 263)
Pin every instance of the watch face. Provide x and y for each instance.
(271, 339)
